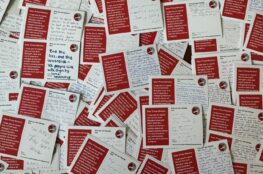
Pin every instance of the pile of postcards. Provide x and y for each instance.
(131, 87)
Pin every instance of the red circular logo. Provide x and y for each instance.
(245, 57)
(72, 98)
(222, 147)
(52, 128)
(195, 110)
(201, 82)
(77, 17)
(13, 74)
(119, 134)
(150, 50)
(260, 116)
(212, 4)
(257, 147)
(73, 47)
(131, 166)
(223, 85)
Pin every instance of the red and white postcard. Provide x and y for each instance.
(53, 24)
(166, 90)
(27, 138)
(16, 165)
(95, 156)
(213, 157)
(53, 61)
(184, 21)
(231, 41)
(241, 149)
(220, 65)
(173, 126)
(235, 10)
(247, 78)
(132, 16)
(240, 122)
(254, 37)
(130, 70)
(114, 136)
(50, 104)
(95, 42)
(243, 10)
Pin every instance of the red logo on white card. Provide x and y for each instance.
(150, 50)
(77, 17)
(73, 47)
(119, 134)
(260, 116)
(13, 74)
(2, 167)
(201, 82)
(223, 85)
(257, 147)
(72, 98)
(213, 4)
(196, 110)
(245, 57)
(52, 128)
(131, 166)
(222, 147)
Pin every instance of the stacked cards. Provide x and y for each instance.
(131, 87)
